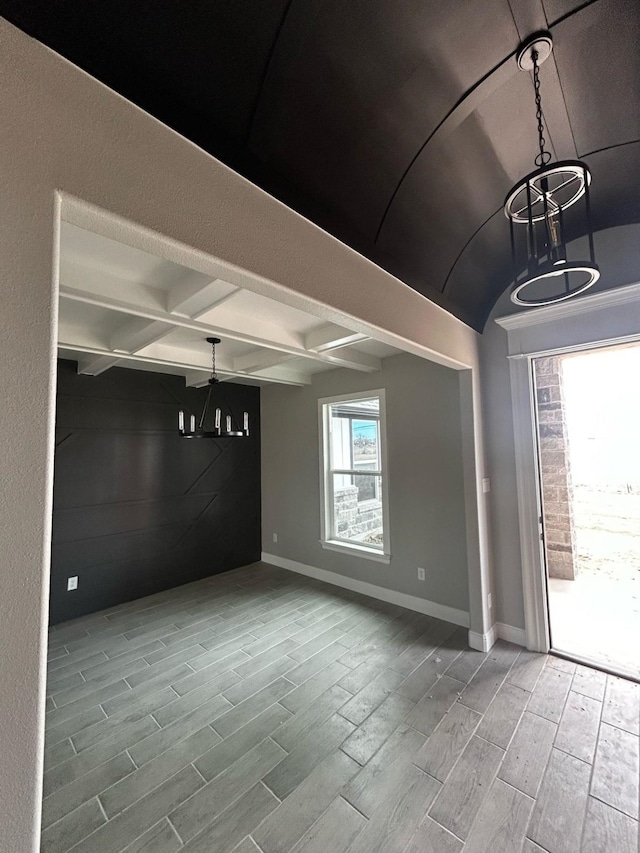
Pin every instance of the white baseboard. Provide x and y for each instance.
(511, 634)
(402, 599)
(483, 642)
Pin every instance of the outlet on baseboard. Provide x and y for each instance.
(421, 574)
(72, 583)
(275, 537)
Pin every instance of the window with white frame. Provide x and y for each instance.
(354, 474)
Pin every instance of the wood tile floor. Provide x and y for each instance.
(262, 711)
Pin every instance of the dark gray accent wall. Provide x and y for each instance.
(138, 509)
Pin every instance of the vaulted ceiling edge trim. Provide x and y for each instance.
(609, 148)
(469, 101)
(571, 12)
(464, 248)
(265, 73)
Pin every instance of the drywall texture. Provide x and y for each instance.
(426, 484)
(616, 253)
(70, 145)
(137, 508)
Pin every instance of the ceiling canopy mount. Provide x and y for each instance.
(541, 43)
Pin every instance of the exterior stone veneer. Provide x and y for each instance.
(353, 520)
(555, 469)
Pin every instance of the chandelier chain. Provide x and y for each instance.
(544, 156)
(213, 362)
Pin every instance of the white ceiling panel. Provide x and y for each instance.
(194, 341)
(88, 323)
(122, 307)
(99, 253)
(257, 309)
(376, 348)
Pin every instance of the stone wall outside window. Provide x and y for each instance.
(353, 520)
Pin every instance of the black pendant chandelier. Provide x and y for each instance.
(215, 430)
(537, 206)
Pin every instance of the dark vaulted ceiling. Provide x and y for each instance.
(396, 125)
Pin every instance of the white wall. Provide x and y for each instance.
(501, 467)
(64, 136)
(426, 479)
(618, 255)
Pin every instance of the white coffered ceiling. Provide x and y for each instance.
(122, 307)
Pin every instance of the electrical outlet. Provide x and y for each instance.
(72, 583)
(489, 601)
(486, 484)
(421, 574)
(275, 537)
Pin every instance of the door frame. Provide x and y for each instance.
(534, 581)
(590, 322)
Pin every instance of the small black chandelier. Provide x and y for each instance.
(200, 430)
(536, 207)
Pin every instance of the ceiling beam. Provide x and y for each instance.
(94, 360)
(331, 336)
(138, 333)
(125, 306)
(196, 378)
(96, 366)
(169, 356)
(259, 359)
(102, 283)
(200, 379)
(353, 360)
(192, 297)
(281, 376)
(340, 358)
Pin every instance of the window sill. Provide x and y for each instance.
(356, 551)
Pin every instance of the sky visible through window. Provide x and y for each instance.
(366, 430)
